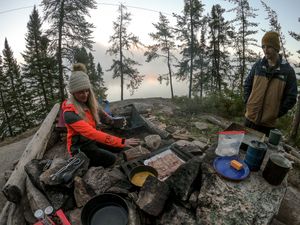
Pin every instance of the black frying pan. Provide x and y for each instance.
(141, 169)
(105, 209)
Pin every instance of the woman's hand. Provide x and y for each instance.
(132, 142)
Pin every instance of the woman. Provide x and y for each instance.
(82, 114)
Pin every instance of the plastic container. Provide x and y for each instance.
(229, 143)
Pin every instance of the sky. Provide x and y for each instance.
(14, 16)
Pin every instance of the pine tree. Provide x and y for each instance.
(163, 48)
(243, 40)
(201, 78)
(187, 26)
(80, 55)
(68, 28)
(14, 89)
(123, 67)
(102, 88)
(296, 121)
(36, 71)
(5, 123)
(219, 42)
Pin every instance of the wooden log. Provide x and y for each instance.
(4, 213)
(292, 158)
(12, 214)
(153, 128)
(217, 122)
(36, 199)
(14, 187)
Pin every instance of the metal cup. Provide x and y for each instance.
(274, 136)
(255, 155)
(276, 169)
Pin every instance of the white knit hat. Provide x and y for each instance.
(79, 81)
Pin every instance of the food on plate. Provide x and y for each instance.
(236, 164)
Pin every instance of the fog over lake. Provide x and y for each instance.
(150, 86)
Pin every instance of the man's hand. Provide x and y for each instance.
(132, 142)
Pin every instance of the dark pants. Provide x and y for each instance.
(259, 128)
(100, 155)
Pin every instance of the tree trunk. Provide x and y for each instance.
(14, 187)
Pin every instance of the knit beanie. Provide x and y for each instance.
(271, 38)
(79, 80)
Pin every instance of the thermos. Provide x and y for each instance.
(255, 155)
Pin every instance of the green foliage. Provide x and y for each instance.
(68, 28)
(224, 105)
(188, 25)
(39, 71)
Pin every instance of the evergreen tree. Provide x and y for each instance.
(296, 121)
(36, 71)
(202, 62)
(187, 26)
(68, 28)
(243, 40)
(163, 47)
(15, 92)
(5, 123)
(275, 26)
(80, 56)
(102, 88)
(219, 42)
(123, 67)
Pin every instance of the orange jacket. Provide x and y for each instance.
(82, 131)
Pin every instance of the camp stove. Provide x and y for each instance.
(47, 217)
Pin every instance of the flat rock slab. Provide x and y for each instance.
(251, 201)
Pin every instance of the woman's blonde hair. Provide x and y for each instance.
(91, 103)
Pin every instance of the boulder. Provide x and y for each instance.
(153, 141)
(251, 201)
(153, 196)
(177, 215)
(289, 211)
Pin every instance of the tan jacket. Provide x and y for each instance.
(269, 94)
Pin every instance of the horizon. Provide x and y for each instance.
(106, 13)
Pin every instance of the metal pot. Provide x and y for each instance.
(104, 209)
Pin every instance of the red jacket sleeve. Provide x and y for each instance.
(91, 133)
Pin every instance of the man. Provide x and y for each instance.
(270, 89)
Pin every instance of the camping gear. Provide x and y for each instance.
(222, 166)
(255, 155)
(274, 136)
(47, 218)
(66, 173)
(276, 169)
(229, 143)
(119, 122)
(105, 209)
(139, 174)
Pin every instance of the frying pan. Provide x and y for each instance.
(105, 209)
(139, 170)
